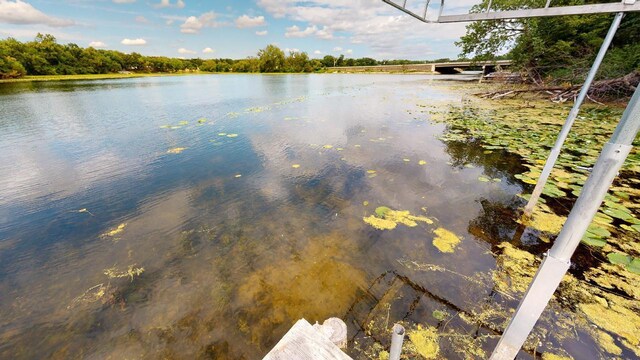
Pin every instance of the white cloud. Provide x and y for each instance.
(167, 3)
(123, 1)
(20, 12)
(141, 19)
(186, 51)
(193, 25)
(133, 41)
(337, 49)
(295, 32)
(262, 33)
(349, 51)
(97, 44)
(208, 50)
(385, 31)
(317, 52)
(246, 21)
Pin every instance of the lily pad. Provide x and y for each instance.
(439, 315)
(619, 259)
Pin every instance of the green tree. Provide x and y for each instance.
(271, 59)
(557, 49)
(10, 68)
(297, 62)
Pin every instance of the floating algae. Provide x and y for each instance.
(295, 166)
(516, 269)
(550, 356)
(184, 122)
(445, 240)
(328, 146)
(115, 231)
(422, 162)
(425, 341)
(387, 219)
(616, 319)
(131, 271)
(232, 135)
(544, 219)
(176, 150)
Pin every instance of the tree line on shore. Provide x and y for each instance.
(555, 50)
(45, 56)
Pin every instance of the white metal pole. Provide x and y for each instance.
(396, 342)
(556, 262)
(555, 151)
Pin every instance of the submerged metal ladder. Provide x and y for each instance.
(557, 260)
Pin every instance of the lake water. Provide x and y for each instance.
(201, 216)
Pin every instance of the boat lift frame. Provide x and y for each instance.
(557, 260)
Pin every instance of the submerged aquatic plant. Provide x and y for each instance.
(131, 272)
(387, 219)
(115, 231)
(176, 150)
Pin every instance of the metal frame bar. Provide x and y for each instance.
(604, 8)
(555, 151)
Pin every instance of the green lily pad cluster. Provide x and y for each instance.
(530, 132)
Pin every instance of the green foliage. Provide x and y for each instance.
(271, 59)
(560, 48)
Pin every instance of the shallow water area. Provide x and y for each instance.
(201, 216)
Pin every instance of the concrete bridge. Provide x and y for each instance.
(453, 67)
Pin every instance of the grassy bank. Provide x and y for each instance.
(30, 78)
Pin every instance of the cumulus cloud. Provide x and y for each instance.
(246, 21)
(262, 33)
(337, 49)
(193, 24)
(317, 52)
(123, 1)
(369, 22)
(141, 19)
(179, 4)
(294, 50)
(208, 50)
(186, 51)
(20, 12)
(97, 44)
(349, 51)
(295, 32)
(133, 41)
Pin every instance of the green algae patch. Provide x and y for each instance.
(445, 240)
(616, 319)
(388, 219)
(550, 356)
(544, 219)
(606, 342)
(515, 269)
(425, 341)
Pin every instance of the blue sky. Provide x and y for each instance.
(234, 29)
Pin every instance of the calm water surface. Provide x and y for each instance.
(223, 244)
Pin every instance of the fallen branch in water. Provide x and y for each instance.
(603, 90)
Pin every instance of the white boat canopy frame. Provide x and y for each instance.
(488, 14)
(557, 260)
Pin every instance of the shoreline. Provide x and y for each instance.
(44, 78)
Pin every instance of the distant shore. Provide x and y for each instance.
(39, 78)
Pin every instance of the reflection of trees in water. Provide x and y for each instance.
(497, 164)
